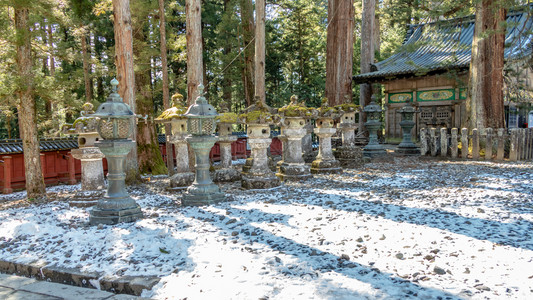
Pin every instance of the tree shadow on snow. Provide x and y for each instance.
(313, 262)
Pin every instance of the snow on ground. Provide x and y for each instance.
(420, 230)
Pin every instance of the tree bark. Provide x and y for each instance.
(166, 93)
(35, 186)
(339, 51)
(247, 23)
(51, 45)
(125, 73)
(86, 68)
(226, 81)
(367, 55)
(195, 73)
(484, 106)
(260, 50)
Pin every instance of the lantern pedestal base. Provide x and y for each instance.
(226, 175)
(408, 150)
(115, 216)
(86, 198)
(370, 152)
(200, 199)
(326, 167)
(251, 182)
(294, 172)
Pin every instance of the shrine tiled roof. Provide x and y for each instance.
(13, 146)
(441, 46)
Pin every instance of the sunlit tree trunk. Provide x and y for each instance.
(164, 70)
(86, 67)
(339, 51)
(195, 73)
(28, 126)
(484, 106)
(260, 50)
(367, 54)
(247, 23)
(125, 72)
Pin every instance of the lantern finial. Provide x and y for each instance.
(201, 89)
(114, 84)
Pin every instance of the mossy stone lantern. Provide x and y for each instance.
(373, 124)
(201, 128)
(407, 147)
(116, 128)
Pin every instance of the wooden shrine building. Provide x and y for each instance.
(431, 69)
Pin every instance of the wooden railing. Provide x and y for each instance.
(515, 144)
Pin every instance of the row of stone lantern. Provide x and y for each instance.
(196, 125)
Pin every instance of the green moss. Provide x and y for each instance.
(175, 112)
(296, 111)
(256, 116)
(227, 118)
(347, 107)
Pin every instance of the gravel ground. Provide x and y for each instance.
(392, 230)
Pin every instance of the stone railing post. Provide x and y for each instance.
(433, 137)
(522, 144)
(475, 144)
(8, 165)
(501, 144)
(529, 143)
(443, 142)
(488, 145)
(464, 143)
(71, 169)
(454, 143)
(513, 151)
(423, 142)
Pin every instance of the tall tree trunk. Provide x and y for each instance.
(51, 45)
(125, 72)
(166, 93)
(260, 50)
(86, 67)
(367, 55)
(247, 23)
(28, 126)
(226, 81)
(195, 73)
(484, 107)
(339, 51)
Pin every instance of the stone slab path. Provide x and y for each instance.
(22, 288)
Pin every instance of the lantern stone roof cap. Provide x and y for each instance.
(372, 107)
(201, 108)
(114, 107)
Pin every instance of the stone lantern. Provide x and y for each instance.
(325, 162)
(349, 155)
(92, 171)
(226, 173)
(256, 173)
(116, 128)
(373, 124)
(407, 147)
(293, 121)
(178, 126)
(201, 128)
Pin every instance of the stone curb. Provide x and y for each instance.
(123, 285)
